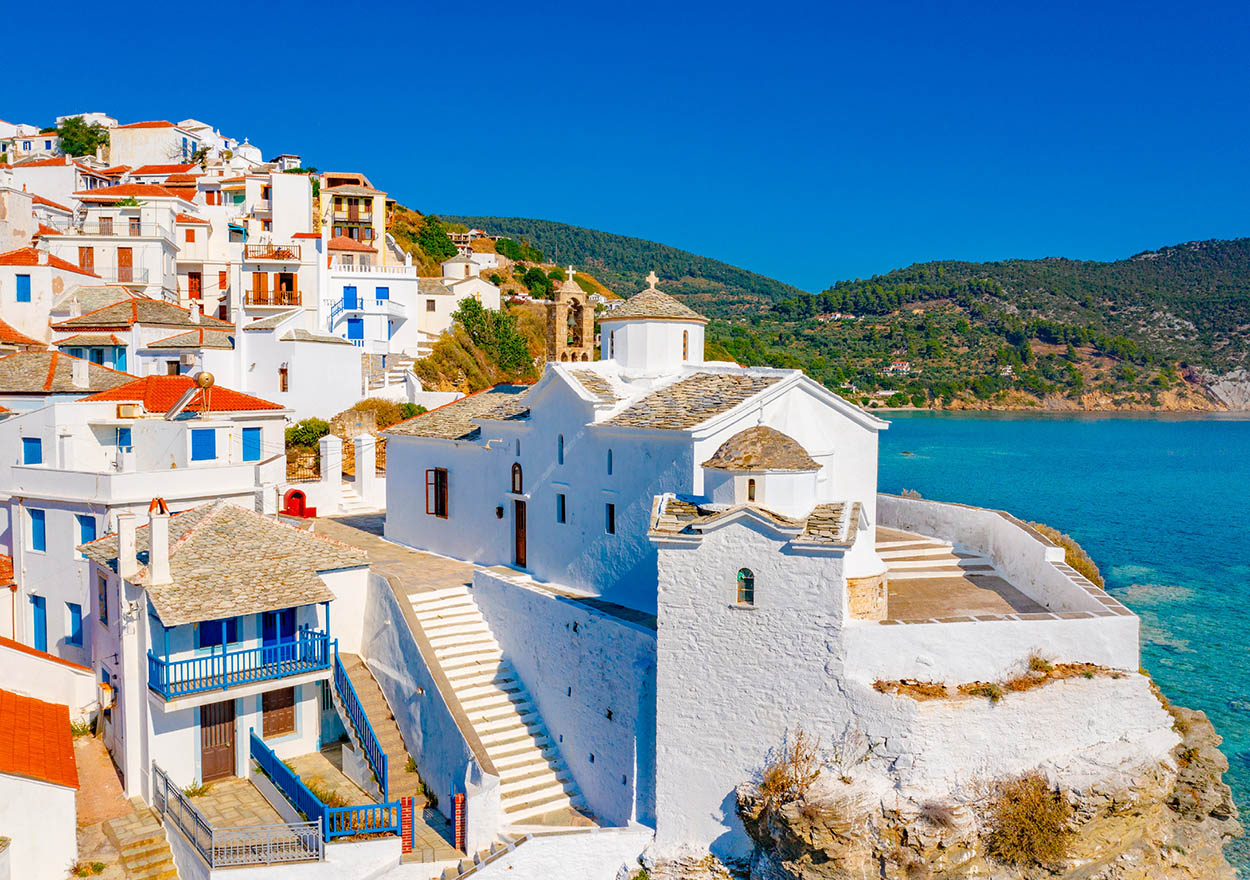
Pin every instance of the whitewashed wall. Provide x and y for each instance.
(24, 671)
(599, 854)
(40, 818)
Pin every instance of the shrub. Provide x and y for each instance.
(198, 790)
(81, 728)
(791, 770)
(408, 410)
(385, 412)
(324, 793)
(307, 432)
(1073, 553)
(1038, 663)
(1028, 822)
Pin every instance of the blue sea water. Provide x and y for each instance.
(1161, 503)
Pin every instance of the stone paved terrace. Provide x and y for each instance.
(929, 580)
(416, 570)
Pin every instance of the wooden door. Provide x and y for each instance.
(518, 524)
(125, 264)
(195, 283)
(216, 740)
(277, 712)
(86, 259)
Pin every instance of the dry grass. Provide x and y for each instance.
(938, 814)
(791, 770)
(917, 690)
(1073, 553)
(324, 793)
(988, 689)
(1028, 822)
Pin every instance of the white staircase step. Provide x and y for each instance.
(532, 757)
(515, 815)
(445, 634)
(539, 792)
(934, 562)
(486, 643)
(913, 553)
(482, 657)
(430, 601)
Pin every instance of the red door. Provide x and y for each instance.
(216, 740)
(195, 282)
(125, 264)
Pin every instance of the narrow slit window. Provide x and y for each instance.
(560, 449)
(609, 519)
(750, 490)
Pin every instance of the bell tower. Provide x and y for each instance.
(570, 323)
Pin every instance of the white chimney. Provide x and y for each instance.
(195, 311)
(158, 543)
(78, 373)
(127, 562)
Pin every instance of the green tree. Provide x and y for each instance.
(307, 432)
(80, 139)
(537, 282)
(494, 332)
(433, 239)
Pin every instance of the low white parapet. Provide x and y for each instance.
(43, 676)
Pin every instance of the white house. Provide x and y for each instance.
(210, 624)
(58, 179)
(151, 143)
(38, 782)
(31, 279)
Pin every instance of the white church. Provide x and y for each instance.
(678, 563)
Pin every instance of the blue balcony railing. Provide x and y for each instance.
(308, 651)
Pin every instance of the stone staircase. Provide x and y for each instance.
(533, 777)
(140, 840)
(400, 783)
(352, 503)
(909, 556)
(397, 367)
(470, 866)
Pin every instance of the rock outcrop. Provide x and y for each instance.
(1165, 821)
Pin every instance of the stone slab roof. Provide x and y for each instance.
(52, 372)
(299, 334)
(273, 322)
(201, 338)
(225, 560)
(827, 525)
(433, 286)
(595, 384)
(655, 305)
(692, 401)
(455, 420)
(141, 311)
(89, 339)
(761, 449)
(90, 297)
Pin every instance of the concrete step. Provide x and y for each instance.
(473, 661)
(519, 812)
(485, 643)
(538, 792)
(913, 552)
(517, 781)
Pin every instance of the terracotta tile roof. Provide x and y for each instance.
(306, 235)
(6, 568)
(225, 560)
(115, 170)
(201, 338)
(343, 243)
(89, 339)
(454, 421)
(59, 161)
(693, 400)
(654, 305)
(29, 256)
(51, 372)
(10, 336)
(35, 740)
(162, 169)
(761, 449)
(353, 189)
(181, 217)
(158, 123)
(40, 200)
(595, 384)
(186, 193)
(45, 229)
(159, 393)
(140, 310)
(126, 191)
(182, 178)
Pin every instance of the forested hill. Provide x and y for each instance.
(621, 262)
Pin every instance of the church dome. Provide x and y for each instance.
(761, 449)
(653, 305)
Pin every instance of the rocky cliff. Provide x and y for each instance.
(1165, 821)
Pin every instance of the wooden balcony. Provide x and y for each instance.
(272, 298)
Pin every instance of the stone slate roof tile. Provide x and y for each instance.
(140, 311)
(201, 338)
(225, 560)
(273, 322)
(827, 525)
(433, 287)
(692, 401)
(454, 421)
(656, 305)
(761, 449)
(52, 372)
(89, 339)
(299, 334)
(595, 384)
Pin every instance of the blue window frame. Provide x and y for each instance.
(32, 450)
(208, 632)
(277, 626)
(39, 619)
(38, 530)
(382, 292)
(123, 437)
(355, 328)
(75, 624)
(203, 444)
(23, 288)
(350, 300)
(251, 444)
(86, 528)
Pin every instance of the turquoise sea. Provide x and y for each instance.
(1162, 504)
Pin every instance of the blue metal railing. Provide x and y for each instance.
(309, 651)
(335, 821)
(369, 744)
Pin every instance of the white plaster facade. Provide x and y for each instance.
(40, 818)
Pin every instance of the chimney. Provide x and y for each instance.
(78, 373)
(127, 562)
(195, 311)
(158, 543)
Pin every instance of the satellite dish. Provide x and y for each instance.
(204, 379)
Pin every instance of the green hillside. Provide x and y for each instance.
(621, 263)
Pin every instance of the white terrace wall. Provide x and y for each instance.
(40, 818)
(24, 670)
(592, 677)
(435, 732)
(591, 854)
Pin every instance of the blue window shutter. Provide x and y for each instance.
(123, 437)
(203, 444)
(119, 359)
(251, 444)
(86, 528)
(32, 450)
(23, 288)
(383, 292)
(38, 533)
(75, 623)
(39, 609)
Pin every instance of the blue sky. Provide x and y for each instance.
(810, 142)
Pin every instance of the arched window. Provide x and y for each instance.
(750, 490)
(560, 449)
(746, 587)
(517, 483)
(685, 345)
(609, 462)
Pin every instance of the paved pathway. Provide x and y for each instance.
(233, 803)
(98, 799)
(416, 570)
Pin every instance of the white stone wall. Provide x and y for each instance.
(48, 679)
(540, 634)
(650, 346)
(40, 819)
(599, 854)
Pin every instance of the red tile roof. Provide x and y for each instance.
(45, 229)
(10, 336)
(343, 243)
(6, 562)
(182, 178)
(35, 740)
(306, 235)
(163, 169)
(40, 200)
(159, 123)
(126, 191)
(30, 257)
(59, 161)
(159, 393)
(115, 170)
(189, 218)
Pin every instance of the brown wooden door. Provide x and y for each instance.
(216, 740)
(278, 712)
(125, 264)
(519, 527)
(195, 283)
(86, 258)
